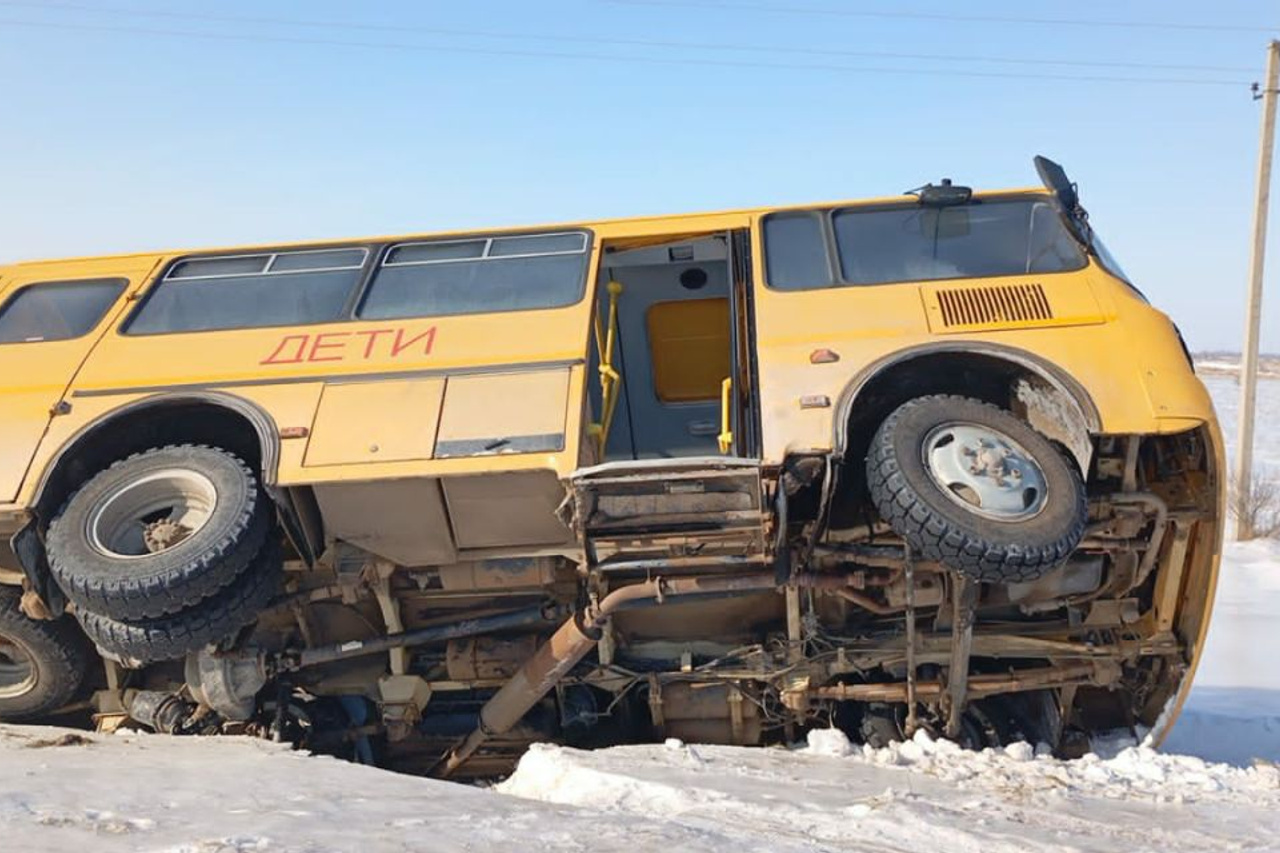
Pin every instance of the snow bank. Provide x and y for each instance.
(65, 791)
(1134, 773)
(920, 795)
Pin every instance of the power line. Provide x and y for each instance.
(623, 42)
(613, 59)
(948, 16)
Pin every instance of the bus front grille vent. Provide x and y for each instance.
(999, 305)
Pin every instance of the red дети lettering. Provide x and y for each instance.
(401, 344)
(333, 346)
(275, 358)
(320, 344)
(372, 335)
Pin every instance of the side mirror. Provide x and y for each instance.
(1055, 179)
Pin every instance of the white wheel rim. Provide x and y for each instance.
(18, 672)
(985, 471)
(152, 513)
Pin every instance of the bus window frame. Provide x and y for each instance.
(376, 252)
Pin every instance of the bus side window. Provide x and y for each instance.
(57, 310)
(795, 252)
(445, 278)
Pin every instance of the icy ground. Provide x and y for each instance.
(62, 791)
(67, 791)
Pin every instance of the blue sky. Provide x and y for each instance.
(123, 132)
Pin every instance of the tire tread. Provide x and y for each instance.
(937, 538)
(172, 637)
(64, 660)
(204, 575)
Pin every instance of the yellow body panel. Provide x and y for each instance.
(530, 404)
(1125, 355)
(352, 425)
(972, 307)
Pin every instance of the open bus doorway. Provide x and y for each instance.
(676, 338)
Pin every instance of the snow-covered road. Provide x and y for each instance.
(131, 792)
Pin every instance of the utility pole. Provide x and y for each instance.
(1253, 310)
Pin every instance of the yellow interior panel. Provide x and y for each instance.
(386, 421)
(689, 344)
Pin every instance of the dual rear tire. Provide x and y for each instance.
(166, 552)
(42, 663)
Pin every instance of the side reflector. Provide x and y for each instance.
(823, 356)
(295, 432)
(815, 401)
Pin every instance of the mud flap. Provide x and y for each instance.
(29, 549)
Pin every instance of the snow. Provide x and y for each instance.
(1218, 366)
(1233, 713)
(62, 790)
(1229, 364)
(1225, 391)
(921, 795)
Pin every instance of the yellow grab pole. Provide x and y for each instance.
(606, 342)
(725, 438)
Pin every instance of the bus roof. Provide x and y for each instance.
(615, 228)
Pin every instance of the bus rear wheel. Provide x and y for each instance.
(144, 641)
(158, 532)
(42, 663)
(971, 486)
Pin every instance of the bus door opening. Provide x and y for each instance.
(674, 349)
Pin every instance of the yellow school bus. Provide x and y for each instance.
(922, 462)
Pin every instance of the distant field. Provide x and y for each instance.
(1228, 364)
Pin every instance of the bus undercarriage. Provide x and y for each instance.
(713, 601)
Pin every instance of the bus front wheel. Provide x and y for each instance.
(971, 486)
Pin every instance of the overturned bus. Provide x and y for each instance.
(923, 462)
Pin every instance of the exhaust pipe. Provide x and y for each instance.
(570, 644)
